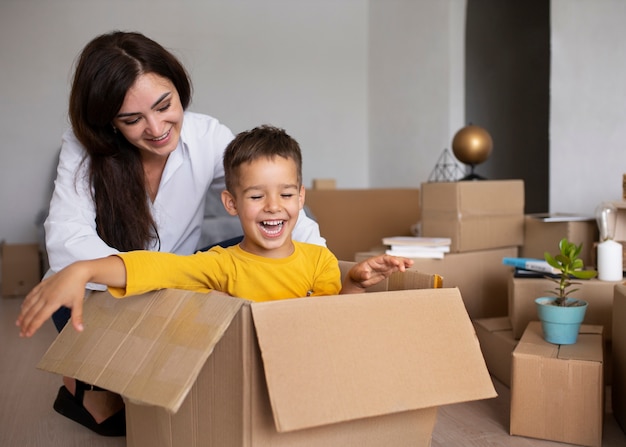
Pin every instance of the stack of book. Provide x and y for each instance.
(530, 267)
(417, 247)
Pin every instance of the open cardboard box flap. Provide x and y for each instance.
(148, 348)
(326, 359)
(331, 359)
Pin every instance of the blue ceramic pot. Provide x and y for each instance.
(560, 324)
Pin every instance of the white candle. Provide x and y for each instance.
(610, 266)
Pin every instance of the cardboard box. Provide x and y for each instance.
(21, 268)
(353, 220)
(211, 370)
(523, 291)
(618, 350)
(480, 275)
(324, 183)
(544, 234)
(476, 215)
(497, 344)
(557, 391)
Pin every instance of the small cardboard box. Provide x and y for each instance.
(480, 276)
(476, 215)
(21, 268)
(543, 232)
(497, 344)
(618, 350)
(353, 220)
(212, 370)
(324, 183)
(557, 391)
(523, 291)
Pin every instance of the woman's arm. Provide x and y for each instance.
(71, 226)
(67, 288)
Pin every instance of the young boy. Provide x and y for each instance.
(263, 173)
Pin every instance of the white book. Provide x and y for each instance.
(417, 241)
(416, 254)
(418, 248)
(561, 217)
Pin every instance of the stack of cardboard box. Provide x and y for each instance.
(557, 392)
(487, 218)
(539, 236)
(485, 221)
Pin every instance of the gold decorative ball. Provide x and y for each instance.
(472, 145)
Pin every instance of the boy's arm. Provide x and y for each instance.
(372, 271)
(67, 288)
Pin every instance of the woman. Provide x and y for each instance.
(133, 173)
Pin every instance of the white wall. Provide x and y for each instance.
(335, 73)
(588, 104)
(417, 87)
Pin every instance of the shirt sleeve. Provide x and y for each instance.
(150, 270)
(71, 223)
(328, 279)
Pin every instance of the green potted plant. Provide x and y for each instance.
(562, 315)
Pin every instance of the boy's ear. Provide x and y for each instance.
(302, 194)
(229, 203)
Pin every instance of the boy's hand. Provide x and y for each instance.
(65, 288)
(372, 271)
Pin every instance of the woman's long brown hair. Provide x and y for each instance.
(107, 67)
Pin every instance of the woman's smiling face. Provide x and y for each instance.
(151, 116)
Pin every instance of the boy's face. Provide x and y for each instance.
(267, 199)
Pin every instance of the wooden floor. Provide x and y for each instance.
(28, 420)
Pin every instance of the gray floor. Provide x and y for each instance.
(28, 420)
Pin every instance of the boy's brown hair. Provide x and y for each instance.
(263, 141)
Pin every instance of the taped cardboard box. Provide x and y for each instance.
(543, 232)
(618, 349)
(497, 344)
(476, 215)
(21, 268)
(557, 391)
(353, 220)
(523, 291)
(479, 275)
(208, 370)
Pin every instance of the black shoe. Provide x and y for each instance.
(72, 408)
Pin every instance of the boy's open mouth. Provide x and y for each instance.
(272, 227)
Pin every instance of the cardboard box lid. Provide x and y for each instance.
(148, 348)
(472, 199)
(585, 348)
(332, 359)
(326, 359)
(495, 324)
